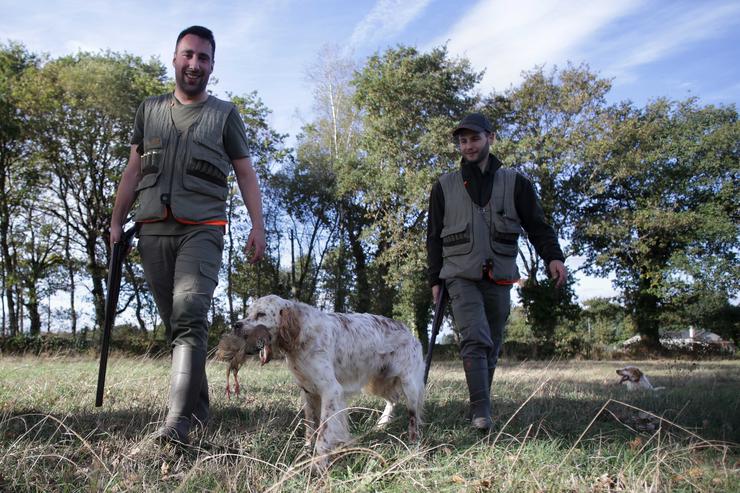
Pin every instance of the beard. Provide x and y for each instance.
(483, 154)
(191, 87)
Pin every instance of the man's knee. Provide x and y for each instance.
(189, 319)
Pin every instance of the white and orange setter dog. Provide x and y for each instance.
(332, 355)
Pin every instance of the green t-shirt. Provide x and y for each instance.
(183, 116)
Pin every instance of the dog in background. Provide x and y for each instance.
(634, 379)
(333, 355)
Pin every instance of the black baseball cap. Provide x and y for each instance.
(475, 122)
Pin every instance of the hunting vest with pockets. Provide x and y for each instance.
(187, 171)
(474, 236)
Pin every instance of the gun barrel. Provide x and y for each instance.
(118, 253)
(439, 310)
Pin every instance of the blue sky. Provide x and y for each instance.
(650, 48)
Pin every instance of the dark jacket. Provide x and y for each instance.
(479, 186)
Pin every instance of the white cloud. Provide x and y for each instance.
(508, 36)
(668, 31)
(387, 18)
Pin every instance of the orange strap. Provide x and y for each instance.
(215, 222)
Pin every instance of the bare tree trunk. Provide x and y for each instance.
(71, 270)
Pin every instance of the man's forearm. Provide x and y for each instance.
(126, 193)
(246, 179)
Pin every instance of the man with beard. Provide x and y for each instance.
(183, 148)
(476, 215)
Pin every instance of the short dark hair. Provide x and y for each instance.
(201, 32)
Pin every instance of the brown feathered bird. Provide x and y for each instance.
(234, 349)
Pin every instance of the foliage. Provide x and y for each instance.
(546, 308)
(267, 150)
(604, 321)
(16, 181)
(81, 108)
(543, 126)
(647, 195)
(660, 204)
(409, 101)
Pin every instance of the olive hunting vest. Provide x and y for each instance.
(187, 171)
(474, 237)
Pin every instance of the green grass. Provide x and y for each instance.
(562, 426)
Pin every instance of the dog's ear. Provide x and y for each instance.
(288, 329)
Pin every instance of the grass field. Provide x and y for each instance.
(562, 426)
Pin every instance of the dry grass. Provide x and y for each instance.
(562, 426)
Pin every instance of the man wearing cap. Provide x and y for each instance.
(184, 146)
(476, 215)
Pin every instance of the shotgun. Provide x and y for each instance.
(120, 249)
(439, 311)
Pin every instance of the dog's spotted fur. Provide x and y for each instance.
(332, 355)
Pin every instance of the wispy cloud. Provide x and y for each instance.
(387, 18)
(668, 31)
(508, 36)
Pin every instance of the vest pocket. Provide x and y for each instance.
(504, 267)
(456, 240)
(206, 172)
(506, 225)
(151, 163)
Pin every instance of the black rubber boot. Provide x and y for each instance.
(476, 376)
(201, 413)
(186, 383)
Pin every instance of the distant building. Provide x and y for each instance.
(689, 339)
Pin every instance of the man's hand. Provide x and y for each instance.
(558, 272)
(435, 293)
(116, 233)
(256, 244)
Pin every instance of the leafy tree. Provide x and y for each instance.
(543, 126)
(15, 149)
(546, 309)
(329, 145)
(266, 148)
(82, 107)
(38, 261)
(660, 204)
(603, 320)
(409, 101)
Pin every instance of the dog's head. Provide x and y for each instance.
(629, 374)
(271, 322)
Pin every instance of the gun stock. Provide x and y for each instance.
(439, 311)
(118, 254)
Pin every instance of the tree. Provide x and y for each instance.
(409, 101)
(266, 148)
(15, 136)
(543, 126)
(82, 108)
(329, 145)
(38, 261)
(660, 204)
(604, 321)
